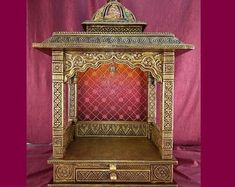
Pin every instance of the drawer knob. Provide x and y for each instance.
(112, 167)
(113, 176)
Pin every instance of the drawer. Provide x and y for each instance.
(88, 175)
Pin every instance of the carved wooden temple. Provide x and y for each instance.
(113, 152)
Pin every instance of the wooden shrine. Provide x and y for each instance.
(113, 153)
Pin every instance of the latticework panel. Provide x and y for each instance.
(159, 107)
(106, 96)
(113, 29)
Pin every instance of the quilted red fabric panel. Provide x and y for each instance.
(106, 96)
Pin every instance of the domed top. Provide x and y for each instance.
(114, 11)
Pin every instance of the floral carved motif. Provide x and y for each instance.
(146, 61)
(64, 172)
(161, 173)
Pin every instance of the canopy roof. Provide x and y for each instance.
(113, 27)
(114, 41)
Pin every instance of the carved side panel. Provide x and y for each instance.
(73, 98)
(58, 103)
(156, 138)
(151, 99)
(58, 89)
(167, 105)
(151, 103)
(61, 131)
(68, 136)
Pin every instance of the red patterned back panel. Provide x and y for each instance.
(103, 96)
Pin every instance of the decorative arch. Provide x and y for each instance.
(81, 61)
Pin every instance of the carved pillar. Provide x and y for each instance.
(151, 102)
(58, 103)
(73, 98)
(167, 104)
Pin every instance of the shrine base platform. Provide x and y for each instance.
(112, 162)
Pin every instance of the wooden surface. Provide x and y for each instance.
(112, 149)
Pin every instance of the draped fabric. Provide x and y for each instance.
(181, 17)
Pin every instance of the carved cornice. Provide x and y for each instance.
(146, 61)
(114, 41)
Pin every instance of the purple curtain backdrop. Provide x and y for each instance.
(181, 17)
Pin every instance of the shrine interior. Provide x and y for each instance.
(112, 95)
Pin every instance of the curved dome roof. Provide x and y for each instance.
(114, 11)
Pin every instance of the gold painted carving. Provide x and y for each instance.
(167, 106)
(167, 120)
(151, 99)
(57, 141)
(63, 172)
(117, 128)
(92, 165)
(137, 176)
(168, 68)
(113, 29)
(161, 173)
(132, 167)
(58, 152)
(108, 176)
(73, 98)
(146, 61)
(61, 136)
(156, 173)
(92, 175)
(57, 104)
(122, 166)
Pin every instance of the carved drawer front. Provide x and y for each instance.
(88, 175)
(112, 176)
(133, 176)
(114, 173)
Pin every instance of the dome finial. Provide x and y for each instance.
(113, 17)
